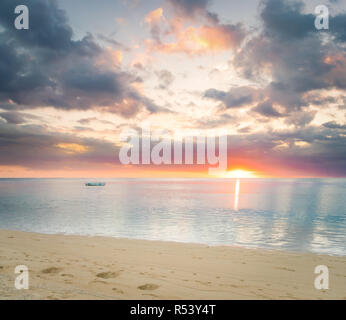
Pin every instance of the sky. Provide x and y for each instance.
(86, 70)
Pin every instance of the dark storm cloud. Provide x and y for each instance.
(86, 78)
(285, 20)
(44, 66)
(86, 121)
(338, 27)
(17, 71)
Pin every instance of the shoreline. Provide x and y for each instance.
(273, 250)
(97, 267)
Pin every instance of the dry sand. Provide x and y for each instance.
(76, 267)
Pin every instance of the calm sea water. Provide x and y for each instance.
(305, 215)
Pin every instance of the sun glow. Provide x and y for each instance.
(239, 173)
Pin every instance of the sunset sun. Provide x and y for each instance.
(240, 173)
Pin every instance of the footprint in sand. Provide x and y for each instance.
(51, 270)
(148, 286)
(67, 275)
(107, 275)
(118, 290)
(206, 283)
(285, 268)
(98, 281)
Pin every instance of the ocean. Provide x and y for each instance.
(300, 215)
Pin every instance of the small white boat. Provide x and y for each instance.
(95, 184)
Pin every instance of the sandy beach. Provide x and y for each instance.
(78, 267)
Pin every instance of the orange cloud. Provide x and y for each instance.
(204, 39)
(72, 148)
(336, 76)
(207, 38)
(154, 16)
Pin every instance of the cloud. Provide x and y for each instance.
(285, 20)
(49, 28)
(267, 109)
(35, 147)
(338, 27)
(305, 151)
(86, 121)
(113, 42)
(153, 19)
(300, 118)
(286, 64)
(234, 98)
(334, 125)
(165, 78)
(290, 57)
(13, 117)
(216, 122)
(210, 36)
(202, 40)
(191, 9)
(45, 66)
